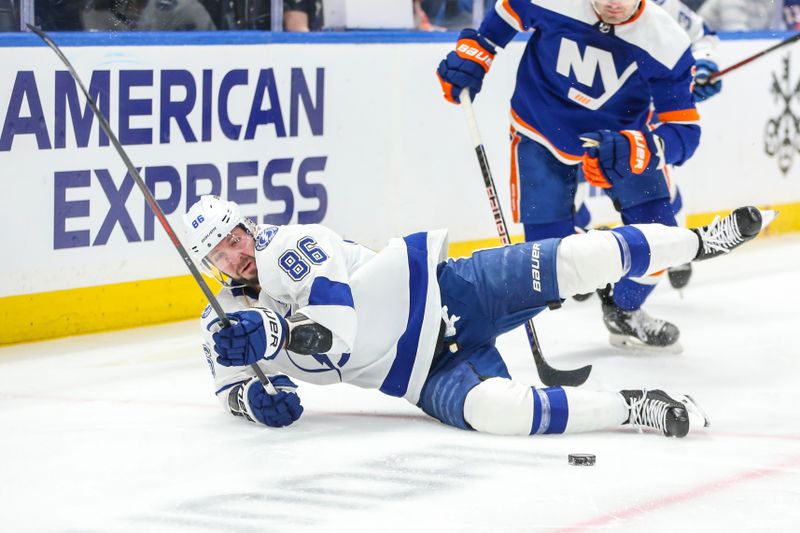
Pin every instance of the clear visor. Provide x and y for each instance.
(615, 11)
(210, 270)
(229, 257)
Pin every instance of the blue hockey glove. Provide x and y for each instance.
(611, 156)
(254, 334)
(704, 90)
(251, 401)
(466, 65)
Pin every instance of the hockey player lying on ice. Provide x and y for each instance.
(305, 303)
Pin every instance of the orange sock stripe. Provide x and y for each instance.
(514, 181)
(649, 279)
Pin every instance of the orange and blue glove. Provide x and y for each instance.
(612, 156)
(466, 66)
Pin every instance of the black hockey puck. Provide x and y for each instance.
(581, 459)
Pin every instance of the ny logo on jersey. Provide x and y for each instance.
(585, 68)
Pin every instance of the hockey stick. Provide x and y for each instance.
(151, 201)
(549, 375)
(743, 62)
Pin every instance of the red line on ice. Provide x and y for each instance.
(680, 497)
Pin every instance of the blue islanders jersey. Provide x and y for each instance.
(578, 74)
(383, 309)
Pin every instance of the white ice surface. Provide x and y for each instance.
(121, 432)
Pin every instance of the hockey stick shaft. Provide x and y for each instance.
(549, 375)
(151, 201)
(743, 62)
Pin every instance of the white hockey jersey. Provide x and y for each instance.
(384, 309)
(704, 40)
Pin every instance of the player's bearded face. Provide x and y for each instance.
(235, 256)
(615, 11)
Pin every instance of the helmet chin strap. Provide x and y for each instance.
(233, 283)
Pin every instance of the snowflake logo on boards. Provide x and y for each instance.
(265, 236)
(782, 133)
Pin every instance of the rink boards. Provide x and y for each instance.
(348, 130)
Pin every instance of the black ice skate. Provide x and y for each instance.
(679, 275)
(725, 234)
(638, 330)
(656, 409)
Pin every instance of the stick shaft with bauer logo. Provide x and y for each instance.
(550, 376)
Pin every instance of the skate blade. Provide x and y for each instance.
(633, 344)
(697, 417)
(767, 216)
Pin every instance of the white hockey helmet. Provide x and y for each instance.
(209, 221)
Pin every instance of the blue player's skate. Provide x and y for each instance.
(680, 275)
(636, 329)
